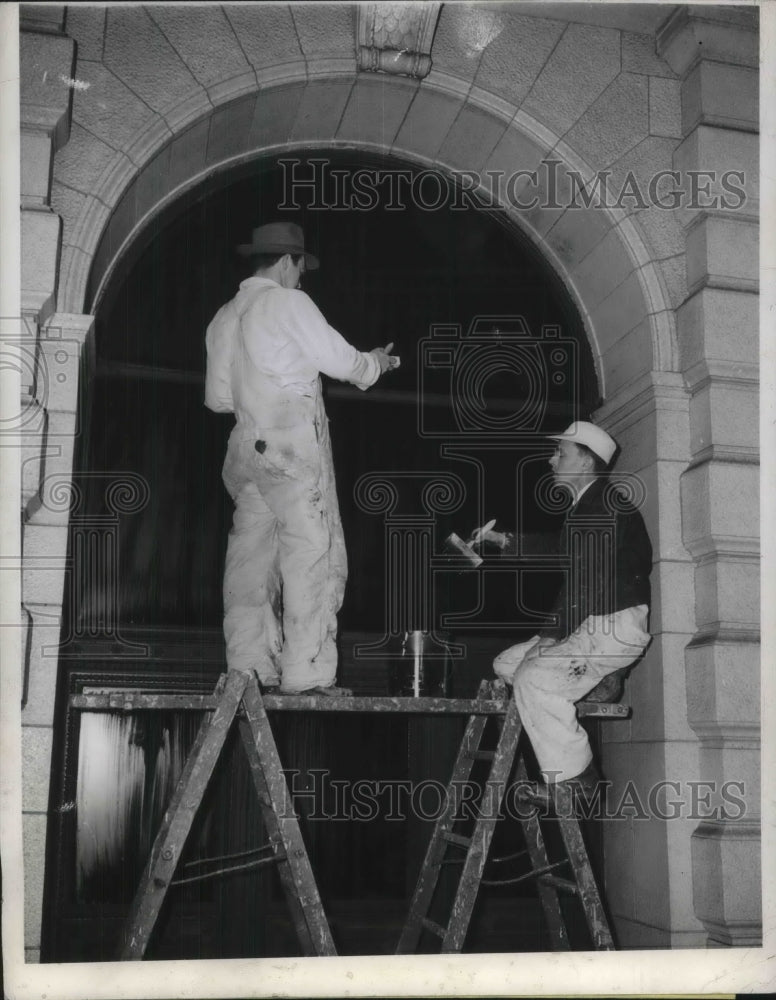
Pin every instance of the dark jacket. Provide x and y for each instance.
(607, 559)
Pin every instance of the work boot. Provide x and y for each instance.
(582, 792)
(609, 689)
(267, 685)
(587, 781)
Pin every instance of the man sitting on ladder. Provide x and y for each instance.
(600, 615)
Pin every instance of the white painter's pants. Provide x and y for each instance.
(549, 677)
(286, 565)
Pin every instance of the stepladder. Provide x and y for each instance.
(462, 837)
(238, 701)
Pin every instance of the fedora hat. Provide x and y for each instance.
(278, 237)
(592, 437)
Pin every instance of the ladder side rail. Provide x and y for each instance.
(178, 818)
(431, 868)
(294, 866)
(580, 865)
(290, 890)
(537, 852)
(473, 867)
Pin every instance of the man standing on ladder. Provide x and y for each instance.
(286, 565)
(600, 615)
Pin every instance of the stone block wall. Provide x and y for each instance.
(718, 345)
(52, 345)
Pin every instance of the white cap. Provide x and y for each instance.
(592, 437)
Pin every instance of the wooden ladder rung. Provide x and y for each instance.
(602, 710)
(434, 927)
(481, 754)
(535, 793)
(563, 884)
(458, 840)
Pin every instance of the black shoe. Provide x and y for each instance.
(608, 690)
(580, 796)
(586, 782)
(267, 685)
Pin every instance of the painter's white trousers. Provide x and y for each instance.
(286, 564)
(549, 677)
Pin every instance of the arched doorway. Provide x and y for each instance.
(386, 275)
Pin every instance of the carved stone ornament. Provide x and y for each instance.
(396, 37)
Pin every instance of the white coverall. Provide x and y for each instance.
(548, 682)
(286, 565)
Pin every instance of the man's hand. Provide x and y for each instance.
(497, 539)
(478, 534)
(385, 359)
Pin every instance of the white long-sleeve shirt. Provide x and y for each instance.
(266, 367)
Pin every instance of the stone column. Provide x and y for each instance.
(49, 446)
(715, 51)
(49, 352)
(46, 61)
(647, 845)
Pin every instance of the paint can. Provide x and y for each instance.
(425, 667)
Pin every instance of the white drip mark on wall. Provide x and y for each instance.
(74, 84)
(478, 30)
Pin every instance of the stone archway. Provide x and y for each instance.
(131, 194)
